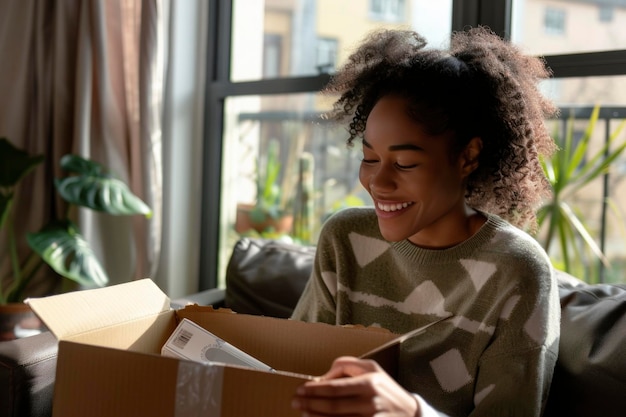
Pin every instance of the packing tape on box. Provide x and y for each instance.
(198, 389)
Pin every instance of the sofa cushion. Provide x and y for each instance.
(590, 375)
(266, 277)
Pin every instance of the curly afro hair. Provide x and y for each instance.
(482, 86)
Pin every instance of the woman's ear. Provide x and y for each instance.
(470, 155)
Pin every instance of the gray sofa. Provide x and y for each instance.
(266, 277)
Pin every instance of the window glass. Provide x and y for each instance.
(293, 38)
(549, 27)
(285, 169)
(604, 218)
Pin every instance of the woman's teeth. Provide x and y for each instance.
(393, 207)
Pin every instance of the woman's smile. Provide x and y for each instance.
(391, 209)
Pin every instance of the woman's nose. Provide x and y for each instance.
(382, 179)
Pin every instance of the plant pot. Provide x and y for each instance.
(244, 223)
(17, 320)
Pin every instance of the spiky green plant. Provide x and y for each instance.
(559, 221)
(269, 193)
(59, 243)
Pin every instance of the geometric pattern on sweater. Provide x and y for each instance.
(472, 326)
(330, 280)
(478, 271)
(375, 248)
(535, 327)
(425, 299)
(451, 371)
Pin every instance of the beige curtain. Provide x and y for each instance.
(86, 77)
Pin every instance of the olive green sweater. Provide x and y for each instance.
(494, 357)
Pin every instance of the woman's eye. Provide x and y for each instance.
(368, 161)
(400, 166)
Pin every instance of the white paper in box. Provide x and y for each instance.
(190, 341)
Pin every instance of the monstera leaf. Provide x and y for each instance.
(95, 189)
(62, 247)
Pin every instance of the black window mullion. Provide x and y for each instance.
(465, 13)
(272, 86)
(587, 64)
(495, 14)
(218, 73)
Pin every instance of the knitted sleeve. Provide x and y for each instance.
(516, 369)
(317, 302)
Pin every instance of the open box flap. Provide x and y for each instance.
(77, 312)
(387, 354)
(398, 340)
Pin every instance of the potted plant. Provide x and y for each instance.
(270, 215)
(568, 170)
(59, 243)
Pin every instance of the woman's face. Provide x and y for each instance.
(417, 185)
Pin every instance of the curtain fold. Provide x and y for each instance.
(86, 77)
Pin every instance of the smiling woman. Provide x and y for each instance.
(407, 170)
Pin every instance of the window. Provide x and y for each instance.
(605, 13)
(272, 48)
(554, 21)
(387, 10)
(326, 58)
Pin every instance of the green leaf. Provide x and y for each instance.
(95, 189)
(270, 191)
(15, 163)
(82, 166)
(583, 145)
(63, 248)
(579, 227)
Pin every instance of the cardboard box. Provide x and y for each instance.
(110, 362)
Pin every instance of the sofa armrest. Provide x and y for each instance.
(27, 371)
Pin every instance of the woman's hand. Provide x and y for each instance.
(355, 387)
